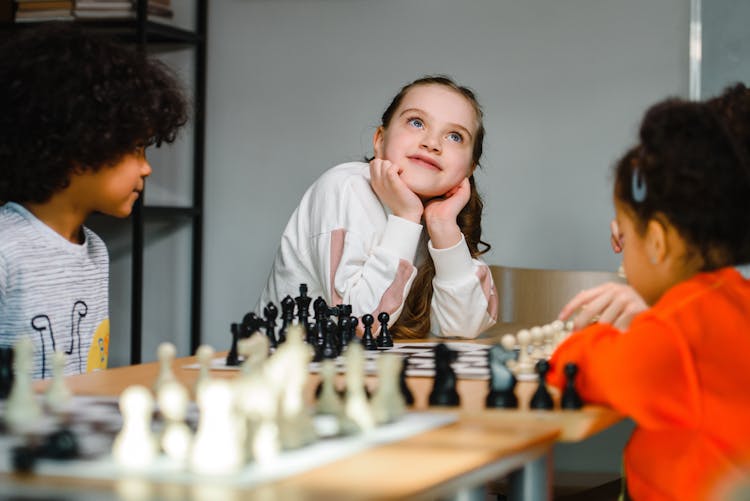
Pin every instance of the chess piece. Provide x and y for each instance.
(329, 401)
(287, 317)
(537, 343)
(233, 357)
(353, 323)
(165, 353)
(321, 316)
(205, 355)
(542, 398)
(251, 324)
(525, 365)
(303, 305)
(134, 446)
(384, 339)
(270, 312)
(343, 337)
(368, 341)
(58, 395)
(6, 371)
(388, 403)
(444, 387)
(508, 342)
(22, 410)
(329, 344)
(218, 447)
(254, 350)
(176, 438)
(403, 386)
(357, 411)
(502, 381)
(570, 397)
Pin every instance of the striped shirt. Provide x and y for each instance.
(54, 292)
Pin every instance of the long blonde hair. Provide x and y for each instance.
(414, 321)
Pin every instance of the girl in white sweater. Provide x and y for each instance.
(357, 236)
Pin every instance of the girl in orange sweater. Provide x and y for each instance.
(682, 203)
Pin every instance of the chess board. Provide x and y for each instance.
(96, 421)
(420, 357)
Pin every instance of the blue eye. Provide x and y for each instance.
(416, 122)
(456, 137)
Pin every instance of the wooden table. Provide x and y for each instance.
(452, 461)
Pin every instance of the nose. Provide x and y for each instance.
(431, 142)
(145, 168)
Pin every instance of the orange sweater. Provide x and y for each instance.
(682, 373)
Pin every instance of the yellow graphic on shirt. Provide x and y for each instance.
(99, 351)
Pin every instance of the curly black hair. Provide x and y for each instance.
(692, 161)
(74, 101)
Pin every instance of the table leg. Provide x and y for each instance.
(532, 482)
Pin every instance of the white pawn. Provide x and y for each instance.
(537, 342)
(508, 342)
(173, 400)
(525, 364)
(548, 332)
(358, 414)
(58, 395)
(388, 403)
(22, 410)
(218, 447)
(204, 354)
(165, 353)
(135, 446)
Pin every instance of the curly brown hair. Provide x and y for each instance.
(73, 101)
(692, 160)
(414, 321)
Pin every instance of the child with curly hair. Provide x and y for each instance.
(357, 237)
(678, 370)
(78, 113)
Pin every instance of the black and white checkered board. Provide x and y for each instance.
(471, 362)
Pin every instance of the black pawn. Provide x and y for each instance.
(353, 323)
(287, 317)
(368, 341)
(384, 337)
(570, 397)
(343, 311)
(321, 315)
(405, 391)
(502, 386)
(232, 356)
(329, 348)
(343, 337)
(6, 371)
(444, 387)
(542, 398)
(270, 312)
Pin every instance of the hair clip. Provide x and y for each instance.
(638, 186)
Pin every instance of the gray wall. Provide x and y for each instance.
(297, 86)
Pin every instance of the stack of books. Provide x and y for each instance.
(119, 9)
(43, 10)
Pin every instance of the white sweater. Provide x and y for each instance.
(345, 245)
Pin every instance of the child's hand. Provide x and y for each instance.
(610, 303)
(392, 191)
(440, 215)
(614, 236)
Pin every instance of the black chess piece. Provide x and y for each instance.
(23, 458)
(233, 357)
(570, 397)
(270, 312)
(287, 317)
(384, 339)
(61, 444)
(502, 383)
(343, 311)
(6, 371)
(542, 398)
(329, 348)
(353, 323)
(303, 305)
(444, 387)
(368, 341)
(343, 331)
(251, 324)
(405, 391)
(321, 315)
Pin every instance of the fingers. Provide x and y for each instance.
(610, 303)
(614, 237)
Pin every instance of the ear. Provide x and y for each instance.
(657, 244)
(377, 142)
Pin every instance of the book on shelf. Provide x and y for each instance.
(117, 9)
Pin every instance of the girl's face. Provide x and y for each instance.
(431, 137)
(114, 189)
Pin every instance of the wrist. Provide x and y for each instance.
(444, 234)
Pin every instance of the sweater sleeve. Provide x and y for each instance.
(646, 373)
(464, 297)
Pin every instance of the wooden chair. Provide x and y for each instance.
(530, 296)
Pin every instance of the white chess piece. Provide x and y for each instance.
(329, 401)
(165, 354)
(22, 411)
(548, 333)
(173, 400)
(357, 410)
(204, 354)
(537, 343)
(525, 364)
(135, 446)
(254, 350)
(58, 395)
(218, 447)
(388, 403)
(508, 342)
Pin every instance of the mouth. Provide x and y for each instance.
(425, 161)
